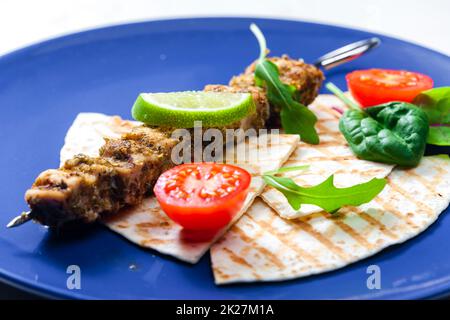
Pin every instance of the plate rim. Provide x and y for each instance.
(50, 40)
(438, 291)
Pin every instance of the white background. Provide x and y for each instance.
(23, 22)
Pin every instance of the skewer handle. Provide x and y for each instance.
(346, 53)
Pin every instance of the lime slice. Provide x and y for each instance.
(181, 109)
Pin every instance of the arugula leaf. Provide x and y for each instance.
(436, 104)
(326, 195)
(295, 117)
(287, 169)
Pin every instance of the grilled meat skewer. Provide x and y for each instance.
(86, 188)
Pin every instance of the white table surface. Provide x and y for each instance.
(23, 22)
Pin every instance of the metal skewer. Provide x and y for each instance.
(327, 61)
(20, 219)
(346, 53)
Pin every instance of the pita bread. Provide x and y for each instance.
(261, 246)
(331, 156)
(146, 224)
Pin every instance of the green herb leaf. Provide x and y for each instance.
(338, 93)
(326, 195)
(436, 104)
(295, 117)
(287, 169)
(394, 132)
(439, 136)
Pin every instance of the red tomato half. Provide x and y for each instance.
(202, 196)
(375, 86)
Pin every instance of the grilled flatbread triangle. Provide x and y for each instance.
(146, 224)
(262, 246)
(331, 156)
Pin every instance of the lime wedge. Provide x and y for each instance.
(181, 109)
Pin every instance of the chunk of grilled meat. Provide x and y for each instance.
(85, 188)
(256, 120)
(306, 79)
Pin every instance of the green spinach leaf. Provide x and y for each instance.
(394, 132)
(436, 104)
(295, 117)
(326, 195)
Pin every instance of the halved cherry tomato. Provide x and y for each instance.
(202, 196)
(375, 86)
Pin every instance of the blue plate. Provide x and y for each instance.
(43, 88)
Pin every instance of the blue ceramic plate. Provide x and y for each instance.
(43, 88)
